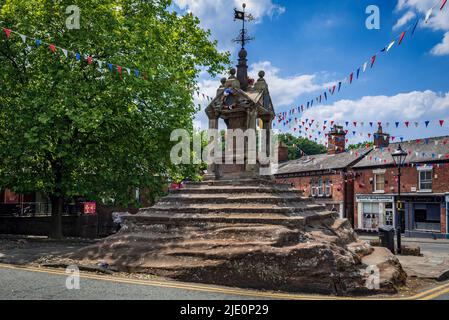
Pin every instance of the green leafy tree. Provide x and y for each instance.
(299, 146)
(356, 146)
(69, 127)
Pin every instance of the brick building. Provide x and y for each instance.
(327, 177)
(424, 187)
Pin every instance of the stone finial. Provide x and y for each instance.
(261, 83)
(232, 81)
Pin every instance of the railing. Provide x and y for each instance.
(35, 209)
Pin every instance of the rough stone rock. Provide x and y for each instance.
(250, 234)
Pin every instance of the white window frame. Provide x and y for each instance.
(375, 174)
(313, 188)
(328, 188)
(320, 187)
(425, 170)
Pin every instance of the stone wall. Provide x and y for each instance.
(83, 226)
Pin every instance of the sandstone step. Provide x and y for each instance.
(240, 182)
(157, 218)
(222, 199)
(236, 208)
(235, 189)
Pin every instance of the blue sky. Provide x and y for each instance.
(306, 45)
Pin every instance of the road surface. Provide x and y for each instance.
(48, 284)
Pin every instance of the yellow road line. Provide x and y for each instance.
(241, 292)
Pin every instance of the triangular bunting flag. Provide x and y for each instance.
(373, 59)
(428, 15)
(24, 38)
(391, 45)
(401, 38)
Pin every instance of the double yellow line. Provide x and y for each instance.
(426, 295)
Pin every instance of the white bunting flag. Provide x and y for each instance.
(65, 52)
(24, 38)
(364, 66)
(428, 15)
(391, 45)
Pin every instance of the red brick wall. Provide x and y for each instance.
(409, 179)
(303, 183)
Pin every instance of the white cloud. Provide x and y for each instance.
(284, 90)
(404, 20)
(415, 105)
(218, 15)
(439, 20)
(442, 48)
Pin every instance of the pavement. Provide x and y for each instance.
(434, 262)
(22, 276)
(25, 282)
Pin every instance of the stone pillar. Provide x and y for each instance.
(251, 169)
(213, 125)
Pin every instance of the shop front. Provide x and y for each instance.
(426, 216)
(374, 211)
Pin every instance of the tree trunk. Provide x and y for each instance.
(57, 203)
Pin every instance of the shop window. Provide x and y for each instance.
(379, 182)
(320, 188)
(425, 180)
(313, 188)
(371, 216)
(328, 188)
(427, 217)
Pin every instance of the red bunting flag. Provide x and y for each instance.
(89, 60)
(407, 124)
(355, 123)
(441, 122)
(119, 69)
(7, 32)
(373, 59)
(351, 77)
(443, 3)
(401, 38)
(53, 48)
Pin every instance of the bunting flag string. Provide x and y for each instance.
(120, 69)
(398, 40)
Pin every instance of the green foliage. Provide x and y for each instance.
(299, 146)
(68, 129)
(360, 145)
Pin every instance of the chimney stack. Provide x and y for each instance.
(336, 141)
(381, 140)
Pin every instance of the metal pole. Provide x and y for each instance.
(399, 251)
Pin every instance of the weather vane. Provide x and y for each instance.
(243, 38)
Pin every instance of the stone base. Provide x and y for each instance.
(246, 233)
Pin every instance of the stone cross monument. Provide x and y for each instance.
(242, 103)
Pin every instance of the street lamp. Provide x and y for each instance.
(399, 156)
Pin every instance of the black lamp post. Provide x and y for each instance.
(399, 156)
